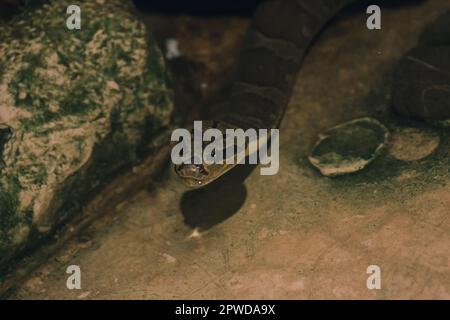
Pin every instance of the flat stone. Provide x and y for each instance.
(411, 144)
(349, 147)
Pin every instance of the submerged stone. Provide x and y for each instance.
(349, 147)
(411, 144)
(76, 108)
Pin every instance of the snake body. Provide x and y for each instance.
(274, 49)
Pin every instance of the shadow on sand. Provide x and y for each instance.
(208, 206)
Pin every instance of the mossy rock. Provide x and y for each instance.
(76, 108)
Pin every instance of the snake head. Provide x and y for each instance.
(197, 172)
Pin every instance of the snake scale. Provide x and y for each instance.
(274, 48)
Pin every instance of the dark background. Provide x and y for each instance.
(235, 7)
(199, 7)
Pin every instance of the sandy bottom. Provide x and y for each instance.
(295, 235)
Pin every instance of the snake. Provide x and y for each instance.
(275, 46)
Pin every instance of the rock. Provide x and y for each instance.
(76, 108)
(422, 85)
(349, 147)
(411, 144)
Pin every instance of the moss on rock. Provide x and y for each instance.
(81, 106)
